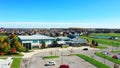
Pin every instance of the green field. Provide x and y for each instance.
(93, 61)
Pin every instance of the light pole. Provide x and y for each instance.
(104, 59)
(61, 57)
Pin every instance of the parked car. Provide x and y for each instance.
(119, 53)
(50, 63)
(105, 52)
(85, 49)
(64, 66)
(115, 57)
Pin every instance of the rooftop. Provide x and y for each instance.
(34, 37)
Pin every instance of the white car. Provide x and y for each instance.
(50, 63)
(105, 52)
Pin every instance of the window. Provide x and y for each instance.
(35, 41)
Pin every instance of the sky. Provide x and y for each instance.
(60, 13)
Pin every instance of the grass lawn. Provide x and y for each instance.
(105, 34)
(103, 41)
(50, 57)
(93, 61)
(16, 63)
(16, 54)
(101, 47)
(107, 57)
(65, 46)
(117, 51)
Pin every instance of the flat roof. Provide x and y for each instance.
(35, 37)
(79, 40)
(61, 37)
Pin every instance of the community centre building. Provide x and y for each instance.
(35, 41)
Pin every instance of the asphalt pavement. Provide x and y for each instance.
(36, 60)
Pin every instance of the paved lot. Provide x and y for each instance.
(73, 61)
(76, 62)
(36, 60)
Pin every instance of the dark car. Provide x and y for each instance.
(85, 49)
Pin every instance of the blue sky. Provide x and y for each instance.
(54, 13)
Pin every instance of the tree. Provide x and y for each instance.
(55, 44)
(15, 44)
(13, 38)
(96, 44)
(93, 42)
(43, 45)
(19, 47)
(4, 46)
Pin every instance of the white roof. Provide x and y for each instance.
(34, 37)
(61, 37)
(79, 40)
(61, 42)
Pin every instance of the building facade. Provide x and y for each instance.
(35, 41)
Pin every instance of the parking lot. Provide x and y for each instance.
(73, 61)
(37, 61)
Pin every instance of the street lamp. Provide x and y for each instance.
(104, 59)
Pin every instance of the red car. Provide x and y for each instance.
(64, 66)
(115, 56)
